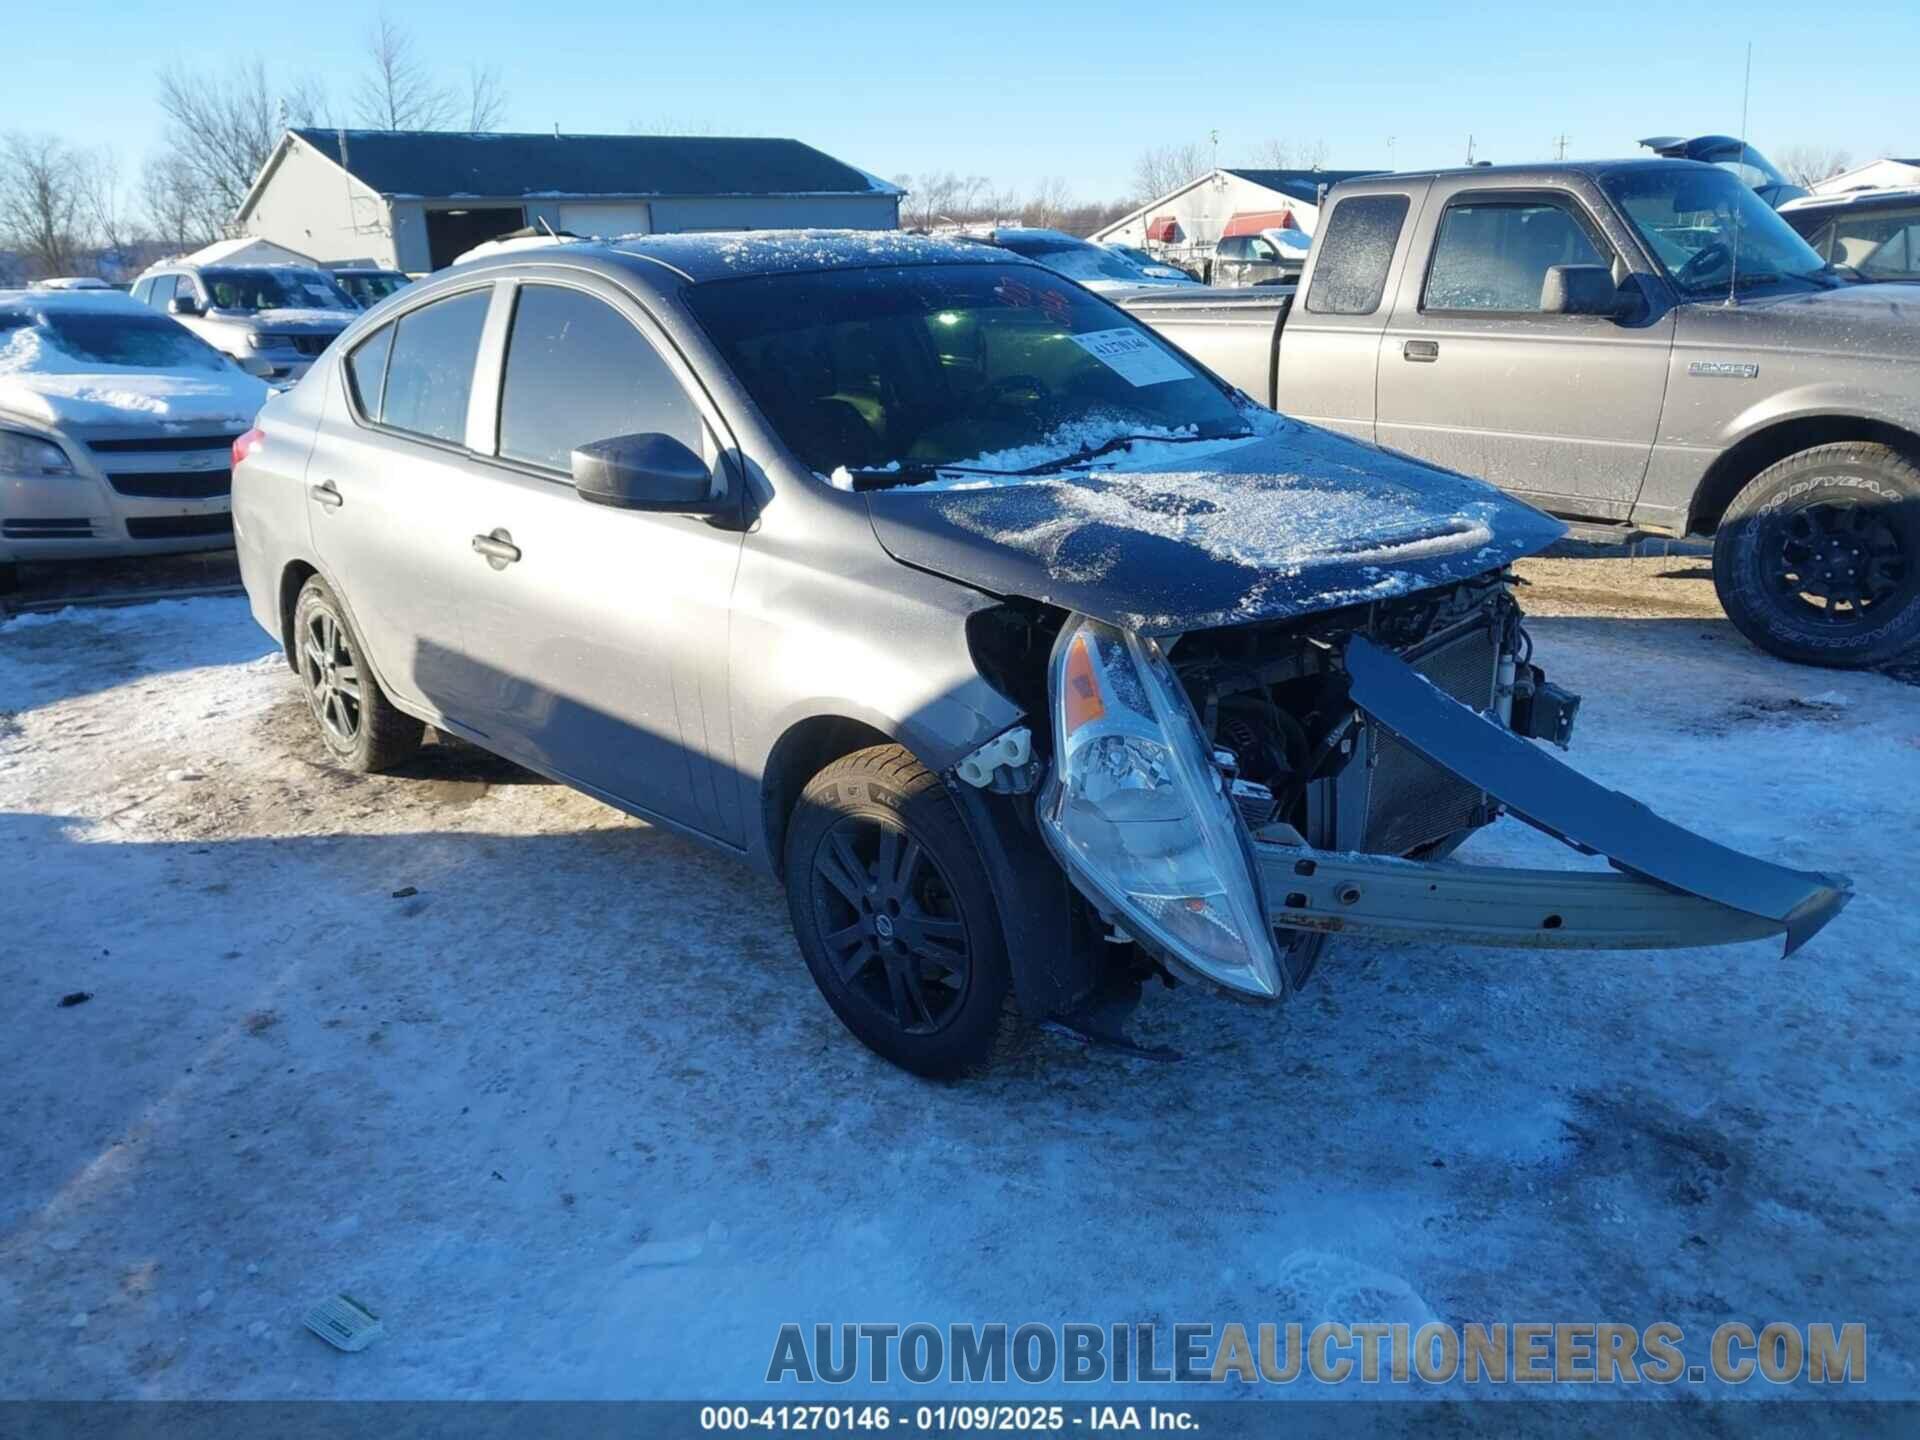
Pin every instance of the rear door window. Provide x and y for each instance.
(1494, 255)
(1356, 251)
(367, 371)
(578, 371)
(430, 370)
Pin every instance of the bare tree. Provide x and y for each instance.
(1165, 168)
(1049, 204)
(221, 125)
(1277, 154)
(1810, 164)
(42, 196)
(669, 125)
(396, 89)
(103, 203)
(176, 205)
(486, 98)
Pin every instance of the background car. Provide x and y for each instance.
(1148, 265)
(1273, 257)
(274, 319)
(1875, 233)
(367, 285)
(116, 427)
(1094, 266)
(1735, 156)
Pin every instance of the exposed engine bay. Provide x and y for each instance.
(1225, 800)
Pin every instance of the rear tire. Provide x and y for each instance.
(894, 912)
(1818, 559)
(9, 577)
(361, 727)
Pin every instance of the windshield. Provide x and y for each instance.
(368, 290)
(101, 337)
(1076, 260)
(1713, 234)
(996, 366)
(278, 288)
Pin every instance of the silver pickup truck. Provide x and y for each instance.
(1641, 343)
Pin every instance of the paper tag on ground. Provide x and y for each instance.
(1132, 356)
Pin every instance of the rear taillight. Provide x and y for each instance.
(248, 443)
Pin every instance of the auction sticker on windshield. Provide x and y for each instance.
(1132, 356)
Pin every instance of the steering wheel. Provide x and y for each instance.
(1704, 261)
(1018, 389)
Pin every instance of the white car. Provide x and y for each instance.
(276, 320)
(116, 430)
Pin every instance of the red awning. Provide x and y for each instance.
(1163, 228)
(1252, 222)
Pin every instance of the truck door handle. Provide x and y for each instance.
(326, 494)
(1425, 351)
(498, 548)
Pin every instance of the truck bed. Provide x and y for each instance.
(1238, 331)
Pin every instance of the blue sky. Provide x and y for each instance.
(1021, 92)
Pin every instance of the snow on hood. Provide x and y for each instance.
(1271, 527)
(41, 382)
(335, 320)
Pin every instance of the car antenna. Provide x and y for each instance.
(1733, 256)
(542, 222)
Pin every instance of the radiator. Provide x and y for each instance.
(1409, 802)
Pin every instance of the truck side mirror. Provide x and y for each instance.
(1579, 290)
(180, 305)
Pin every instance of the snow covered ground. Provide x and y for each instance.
(551, 1091)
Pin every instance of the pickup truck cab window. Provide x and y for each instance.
(1356, 253)
(1494, 255)
(578, 371)
(1712, 234)
(1880, 244)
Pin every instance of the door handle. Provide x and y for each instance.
(1425, 351)
(326, 494)
(498, 548)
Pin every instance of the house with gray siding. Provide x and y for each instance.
(414, 199)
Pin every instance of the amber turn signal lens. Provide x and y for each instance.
(1082, 698)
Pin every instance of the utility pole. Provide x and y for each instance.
(1560, 147)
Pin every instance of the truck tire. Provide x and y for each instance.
(894, 912)
(9, 577)
(1818, 558)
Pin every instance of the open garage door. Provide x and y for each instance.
(451, 233)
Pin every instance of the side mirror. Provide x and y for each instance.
(645, 472)
(1579, 290)
(180, 306)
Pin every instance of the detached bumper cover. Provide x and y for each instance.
(1676, 888)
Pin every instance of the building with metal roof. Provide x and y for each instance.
(413, 200)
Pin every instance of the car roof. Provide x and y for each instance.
(1854, 199)
(107, 302)
(739, 255)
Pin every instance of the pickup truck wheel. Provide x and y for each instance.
(894, 913)
(360, 725)
(9, 577)
(1818, 558)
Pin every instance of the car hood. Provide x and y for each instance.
(1284, 524)
(1862, 322)
(133, 397)
(328, 322)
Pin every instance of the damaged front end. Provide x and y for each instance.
(1231, 798)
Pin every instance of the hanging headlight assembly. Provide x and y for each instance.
(1138, 813)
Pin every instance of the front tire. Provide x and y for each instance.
(362, 728)
(894, 912)
(1818, 559)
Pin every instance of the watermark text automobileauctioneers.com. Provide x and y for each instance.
(1523, 1353)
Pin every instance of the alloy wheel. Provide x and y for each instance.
(1835, 562)
(332, 675)
(892, 930)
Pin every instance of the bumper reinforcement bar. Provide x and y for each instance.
(1673, 887)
